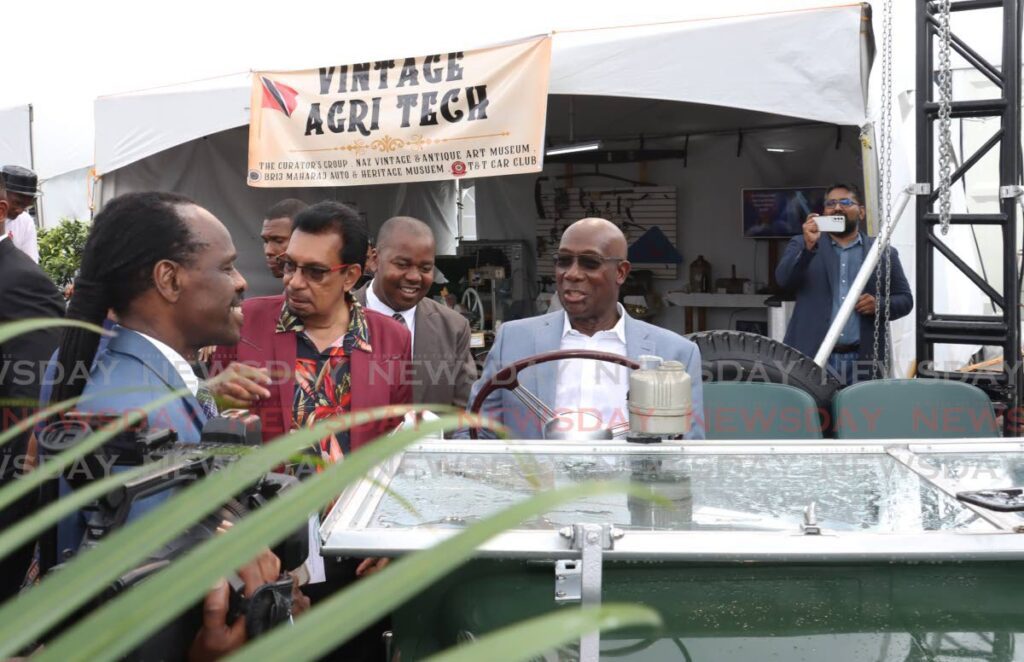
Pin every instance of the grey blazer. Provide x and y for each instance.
(443, 367)
(536, 335)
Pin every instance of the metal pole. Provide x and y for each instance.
(1010, 175)
(867, 270)
(593, 538)
(458, 212)
(869, 157)
(32, 161)
(924, 295)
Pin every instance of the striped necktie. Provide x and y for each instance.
(206, 401)
(399, 318)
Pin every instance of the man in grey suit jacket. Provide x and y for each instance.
(590, 267)
(403, 266)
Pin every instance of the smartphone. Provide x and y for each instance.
(835, 223)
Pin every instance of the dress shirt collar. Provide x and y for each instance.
(858, 240)
(183, 367)
(373, 302)
(619, 329)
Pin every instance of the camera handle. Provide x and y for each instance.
(268, 606)
(112, 509)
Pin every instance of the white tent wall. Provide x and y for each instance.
(64, 193)
(16, 136)
(709, 209)
(212, 172)
(66, 196)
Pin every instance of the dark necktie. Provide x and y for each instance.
(206, 401)
(399, 318)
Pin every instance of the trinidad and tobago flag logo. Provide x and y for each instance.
(278, 96)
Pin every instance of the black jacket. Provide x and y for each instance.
(26, 292)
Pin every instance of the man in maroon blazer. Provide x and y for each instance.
(317, 352)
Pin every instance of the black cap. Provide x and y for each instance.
(20, 180)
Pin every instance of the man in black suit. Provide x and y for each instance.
(25, 293)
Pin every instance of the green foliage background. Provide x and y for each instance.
(60, 249)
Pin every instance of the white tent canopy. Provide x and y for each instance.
(771, 63)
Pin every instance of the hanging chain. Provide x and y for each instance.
(945, 84)
(881, 355)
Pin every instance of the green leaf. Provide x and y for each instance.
(56, 408)
(526, 640)
(10, 330)
(61, 248)
(30, 527)
(28, 616)
(54, 465)
(115, 629)
(343, 615)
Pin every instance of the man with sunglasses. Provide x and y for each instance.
(590, 268)
(321, 354)
(314, 352)
(819, 272)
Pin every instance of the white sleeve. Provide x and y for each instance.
(25, 238)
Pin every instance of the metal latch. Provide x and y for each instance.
(1012, 191)
(568, 581)
(810, 526)
(580, 579)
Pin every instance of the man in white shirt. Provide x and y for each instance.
(21, 184)
(590, 267)
(403, 266)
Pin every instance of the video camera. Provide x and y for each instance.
(224, 439)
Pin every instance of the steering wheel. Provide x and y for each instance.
(508, 378)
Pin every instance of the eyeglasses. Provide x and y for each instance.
(841, 202)
(311, 273)
(586, 261)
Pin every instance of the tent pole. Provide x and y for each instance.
(458, 212)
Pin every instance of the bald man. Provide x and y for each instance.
(403, 267)
(590, 267)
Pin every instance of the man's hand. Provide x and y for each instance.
(241, 385)
(811, 232)
(371, 565)
(216, 638)
(866, 305)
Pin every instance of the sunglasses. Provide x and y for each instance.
(841, 202)
(586, 261)
(313, 274)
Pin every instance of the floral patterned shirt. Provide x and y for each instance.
(323, 382)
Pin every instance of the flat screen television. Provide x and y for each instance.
(779, 213)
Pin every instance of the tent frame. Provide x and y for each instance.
(982, 330)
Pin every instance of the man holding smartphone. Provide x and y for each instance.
(818, 271)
